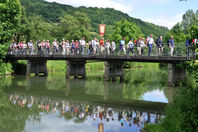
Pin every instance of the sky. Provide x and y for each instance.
(161, 12)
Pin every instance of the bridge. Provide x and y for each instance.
(114, 64)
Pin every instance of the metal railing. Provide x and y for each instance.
(180, 50)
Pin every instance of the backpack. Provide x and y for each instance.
(168, 42)
(157, 42)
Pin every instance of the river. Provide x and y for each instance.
(54, 104)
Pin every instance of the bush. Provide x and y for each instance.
(182, 115)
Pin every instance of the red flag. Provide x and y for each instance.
(102, 29)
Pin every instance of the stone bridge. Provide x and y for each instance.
(114, 64)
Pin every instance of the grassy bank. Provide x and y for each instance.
(54, 66)
(93, 68)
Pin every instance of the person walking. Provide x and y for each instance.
(138, 45)
(24, 48)
(171, 45)
(31, 47)
(77, 47)
(94, 45)
(122, 46)
(21, 47)
(113, 47)
(150, 41)
(97, 47)
(107, 47)
(55, 46)
(43, 47)
(160, 45)
(83, 45)
(87, 47)
(102, 46)
(73, 47)
(47, 47)
(130, 47)
(63, 43)
(142, 46)
(67, 47)
(15, 48)
(38, 44)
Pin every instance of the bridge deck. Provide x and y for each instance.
(157, 59)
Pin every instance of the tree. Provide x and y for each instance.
(23, 30)
(69, 28)
(177, 33)
(75, 27)
(85, 25)
(10, 17)
(125, 29)
(40, 30)
(188, 19)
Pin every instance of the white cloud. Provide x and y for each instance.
(149, 1)
(116, 4)
(157, 1)
(165, 20)
(155, 96)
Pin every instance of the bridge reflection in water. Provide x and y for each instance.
(81, 100)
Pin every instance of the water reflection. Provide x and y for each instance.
(82, 104)
(79, 112)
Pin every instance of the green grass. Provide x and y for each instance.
(56, 66)
(93, 69)
(152, 128)
(142, 65)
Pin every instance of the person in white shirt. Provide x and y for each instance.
(67, 47)
(113, 47)
(31, 47)
(63, 43)
(24, 48)
(94, 45)
(107, 47)
(97, 47)
(130, 47)
(150, 41)
(83, 45)
(54, 46)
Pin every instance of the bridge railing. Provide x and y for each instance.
(180, 50)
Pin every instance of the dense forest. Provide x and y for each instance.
(52, 12)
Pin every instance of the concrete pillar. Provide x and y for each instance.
(76, 68)
(175, 74)
(114, 69)
(36, 66)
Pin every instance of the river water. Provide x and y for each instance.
(54, 104)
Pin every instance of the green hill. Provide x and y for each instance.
(51, 12)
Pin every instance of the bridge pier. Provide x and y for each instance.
(75, 68)
(37, 67)
(114, 69)
(175, 74)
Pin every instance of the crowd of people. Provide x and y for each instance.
(94, 47)
(80, 111)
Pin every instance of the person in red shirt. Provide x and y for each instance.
(102, 46)
(76, 47)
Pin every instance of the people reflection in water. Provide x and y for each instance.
(80, 112)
